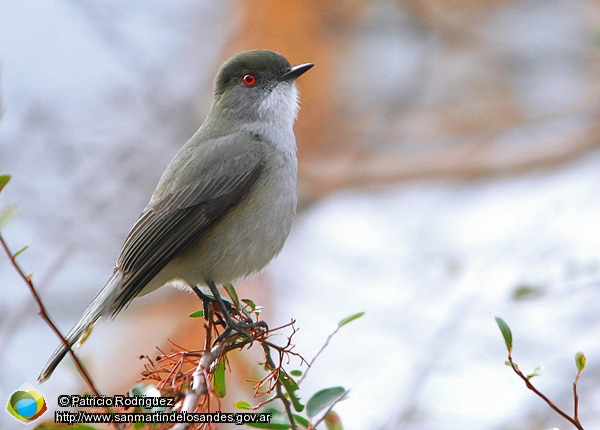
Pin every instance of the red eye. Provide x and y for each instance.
(249, 79)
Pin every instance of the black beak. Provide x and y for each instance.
(296, 71)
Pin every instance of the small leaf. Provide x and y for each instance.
(323, 399)
(197, 314)
(251, 308)
(250, 304)
(149, 390)
(20, 251)
(7, 215)
(296, 373)
(506, 333)
(271, 425)
(137, 390)
(242, 405)
(349, 319)
(333, 421)
(86, 335)
(3, 181)
(580, 361)
(233, 294)
(219, 380)
(291, 387)
(527, 291)
(536, 372)
(301, 420)
(278, 420)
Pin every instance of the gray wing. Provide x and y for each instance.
(179, 218)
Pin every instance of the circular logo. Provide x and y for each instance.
(26, 404)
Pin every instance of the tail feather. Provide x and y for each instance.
(95, 310)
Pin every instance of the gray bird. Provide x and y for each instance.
(224, 206)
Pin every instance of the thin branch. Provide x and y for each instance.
(576, 397)
(286, 405)
(279, 392)
(44, 315)
(333, 333)
(574, 421)
(200, 382)
(575, 403)
(330, 408)
(198, 379)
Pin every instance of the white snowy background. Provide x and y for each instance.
(98, 96)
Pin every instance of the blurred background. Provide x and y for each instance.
(449, 173)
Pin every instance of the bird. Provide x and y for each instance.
(224, 206)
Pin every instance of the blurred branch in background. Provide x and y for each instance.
(28, 279)
(432, 89)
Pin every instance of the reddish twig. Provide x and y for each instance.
(200, 385)
(573, 420)
(44, 315)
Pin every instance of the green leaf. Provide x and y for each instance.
(291, 387)
(296, 373)
(7, 215)
(301, 421)
(506, 333)
(219, 380)
(580, 361)
(242, 405)
(270, 425)
(536, 372)
(349, 319)
(149, 390)
(250, 304)
(323, 399)
(137, 390)
(3, 181)
(279, 420)
(197, 314)
(20, 251)
(251, 308)
(527, 291)
(333, 421)
(86, 335)
(233, 294)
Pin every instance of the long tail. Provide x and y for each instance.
(95, 310)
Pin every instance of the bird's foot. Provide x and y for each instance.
(231, 318)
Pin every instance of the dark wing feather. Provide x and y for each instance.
(179, 218)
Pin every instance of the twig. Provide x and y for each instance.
(333, 333)
(44, 315)
(200, 383)
(286, 405)
(279, 392)
(575, 402)
(574, 421)
(580, 362)
(330, 408)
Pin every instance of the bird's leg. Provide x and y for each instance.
(231, 324)
(205, 303)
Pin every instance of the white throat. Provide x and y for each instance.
(280, 108)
